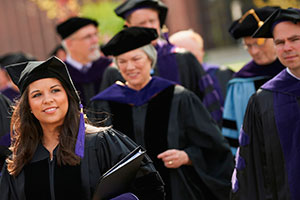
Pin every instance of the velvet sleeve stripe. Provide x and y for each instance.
(243, 138)
(232, 142)
(231, 124)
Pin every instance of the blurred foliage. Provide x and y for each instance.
(59, 9)
(281, 3)
(103, 12)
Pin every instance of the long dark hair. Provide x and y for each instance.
(27, 133)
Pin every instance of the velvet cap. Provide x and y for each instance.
(129, 39)
(73, 24)
(279, 15)
(129, 6)
(250, 22)
(22, 74)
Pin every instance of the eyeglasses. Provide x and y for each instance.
(87, 37)
(258, 44)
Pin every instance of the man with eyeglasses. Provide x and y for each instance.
(84, 61)
(263, 66)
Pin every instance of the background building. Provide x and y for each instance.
(29, 25)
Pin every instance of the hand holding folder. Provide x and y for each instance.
(118, 178)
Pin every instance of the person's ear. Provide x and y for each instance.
(126, 24)
(69, 42)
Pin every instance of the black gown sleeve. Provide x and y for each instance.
(111, 147)
(207, 148)
(245, 182)
(259, 161)
(194, 78)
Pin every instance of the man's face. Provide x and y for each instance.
(144, 17)
(261, 50)
(287, 42)
(83, 45)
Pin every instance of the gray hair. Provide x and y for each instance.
(151, 53)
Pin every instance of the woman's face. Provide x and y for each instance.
(135, 68)
(48, 101)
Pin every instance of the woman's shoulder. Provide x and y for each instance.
(93, 133)
(181, 91)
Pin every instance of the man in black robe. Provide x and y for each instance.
(263, 66)
(268, 159)
(84, 61)
(5, 104)
(173, 63)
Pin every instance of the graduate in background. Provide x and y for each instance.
(194, 43)
(263, 66)
(5, 116)
(173, 63)
(9, 89)
(55, 155)
(268, 161)
(80, 40)
(171, 122)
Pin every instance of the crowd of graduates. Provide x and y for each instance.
(209, 132)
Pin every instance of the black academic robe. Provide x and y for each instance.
(182, 67)
(264, 175)
(88, 83)
(5, 104)
(266, 167)
(176, 119)
(40, 180)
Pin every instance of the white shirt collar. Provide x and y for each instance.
(288, 70)
(77, 64)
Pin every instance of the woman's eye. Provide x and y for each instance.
(137, 59)
(55, 90)
(36, 95)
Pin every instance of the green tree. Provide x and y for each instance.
(103, 12)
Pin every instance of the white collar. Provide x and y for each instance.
(288, 70)
(77, 64)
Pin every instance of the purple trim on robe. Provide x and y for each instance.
(5, 140)
(10, 93)
(126, 95)
(93, 74)
(238, 166)
(240, 162)
(243, 138)
(252, 70)
(211, 70)
(125, 196)
(79, 147)
(217, 114)
(166, 61)
(207, 81)
(234, 182)
(287, 117)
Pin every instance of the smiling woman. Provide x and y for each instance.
(55, 155)
(167, 119)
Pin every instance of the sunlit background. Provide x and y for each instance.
(29, 25)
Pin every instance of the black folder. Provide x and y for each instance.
(118, 178)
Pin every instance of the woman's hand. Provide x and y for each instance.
(174, 158)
